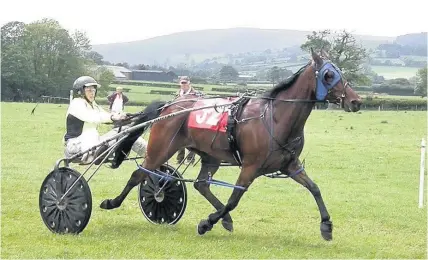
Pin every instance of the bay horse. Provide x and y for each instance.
(269, 135)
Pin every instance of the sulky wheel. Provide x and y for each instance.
(71, 215)
(165, 206)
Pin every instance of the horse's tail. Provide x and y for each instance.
(152, 111)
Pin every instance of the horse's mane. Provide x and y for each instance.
(285, 84)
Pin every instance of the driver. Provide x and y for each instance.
(84, 116)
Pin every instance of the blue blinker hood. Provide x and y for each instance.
(323, 87)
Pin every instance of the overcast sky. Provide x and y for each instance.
(121, 21)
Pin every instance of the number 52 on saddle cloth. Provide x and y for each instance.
(221, 120)
(210, 118)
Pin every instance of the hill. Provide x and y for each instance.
(202, 44)
(413, 39)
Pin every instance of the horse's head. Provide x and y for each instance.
(332, 87)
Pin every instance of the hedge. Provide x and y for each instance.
(376, 102)
(163, 92)
(233, 90)
(388, 89)
(130, 103)
(152, 84)
(124, 89)
(394, 90)
(385, 104)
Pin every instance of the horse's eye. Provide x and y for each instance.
(329, 76)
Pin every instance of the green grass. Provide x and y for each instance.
(367, 171)
(391, 72)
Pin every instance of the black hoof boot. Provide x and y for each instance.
(204, 227)
(228, 225)
(106, 204)
(327, 230)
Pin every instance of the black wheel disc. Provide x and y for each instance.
(71, 215)
(166, 206)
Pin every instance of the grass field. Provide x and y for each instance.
(365, 164)
(392, 72)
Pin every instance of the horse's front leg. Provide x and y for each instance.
(245, 179)
(302, 178)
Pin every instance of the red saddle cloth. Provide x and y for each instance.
(209, 118)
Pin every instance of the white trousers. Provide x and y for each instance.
(92, 138)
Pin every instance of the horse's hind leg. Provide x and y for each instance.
(210, 165)
(302, 178)
(156, 155)
(136, 177)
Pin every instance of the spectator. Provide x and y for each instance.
(117, 100)
(186, 89)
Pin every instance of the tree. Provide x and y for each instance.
(139, 67)
(421, 82)
(105, 78)
(96, 57)
(41, 58)
(343, 51)
(228, 73)
(81, 43)
(56, 58)
(122, 64)
(274, 74)
(277, 74)
(12, 33)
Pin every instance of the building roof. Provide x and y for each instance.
(117, 71)
(118, 68)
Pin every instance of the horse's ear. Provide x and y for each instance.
(316, 57)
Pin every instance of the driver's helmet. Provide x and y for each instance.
(82, 82)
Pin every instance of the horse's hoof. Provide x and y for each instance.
(204, 227)
(106, 204)
(228, 225)
(327, 230)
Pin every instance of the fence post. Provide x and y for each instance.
(422, 174)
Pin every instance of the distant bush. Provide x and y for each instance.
(153, 84)
(114, 89)
(233, 90)
(163, 92)
(401, 104)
